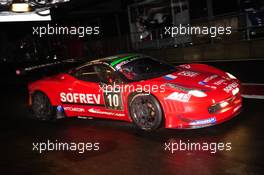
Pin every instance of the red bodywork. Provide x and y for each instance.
(220, 104)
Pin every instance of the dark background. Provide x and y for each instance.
(124, 149)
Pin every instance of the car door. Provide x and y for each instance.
(89, 92)
(111, 87)
(83, 92)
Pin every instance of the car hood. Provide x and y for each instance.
(194, 79)
(213, 84)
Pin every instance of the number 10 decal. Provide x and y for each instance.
(113, 101)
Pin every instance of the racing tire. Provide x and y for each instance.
(146, 112)
(42, 108)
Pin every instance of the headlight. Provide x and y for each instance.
(197, 93)
(230, 75)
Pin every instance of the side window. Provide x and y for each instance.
(106, 74)
(87, 73)
(97, 73)
(113, 100)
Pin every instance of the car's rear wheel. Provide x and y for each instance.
(42, 108)
(146, 112)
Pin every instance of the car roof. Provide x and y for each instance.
(114, 60)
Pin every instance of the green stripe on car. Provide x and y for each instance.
(122, 59)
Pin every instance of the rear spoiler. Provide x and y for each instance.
(26, 70)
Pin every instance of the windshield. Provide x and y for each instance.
(145, 68)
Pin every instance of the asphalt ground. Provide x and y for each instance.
(123, 148)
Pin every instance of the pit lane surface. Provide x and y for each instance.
(123, 149)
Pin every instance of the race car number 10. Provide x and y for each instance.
(113, 101)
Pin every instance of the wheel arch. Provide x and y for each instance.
(50, 97)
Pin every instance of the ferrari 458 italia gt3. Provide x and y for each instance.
(139, 89)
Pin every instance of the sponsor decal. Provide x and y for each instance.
(210, 78)
(186, 66)
(230, 87)
(182, 97)
(97, 111)
(205, 84)
(113, 100)
(219, 82)
(60, 112)
(119, 65)
(235, 91)
(202, 83)
(204, 122)
(60, 109)
(123, 59)
(73, 109)
(206, 80)
(170, 77)
(212, 87)
(80, 98)
(188, 73)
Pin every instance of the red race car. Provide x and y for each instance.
(139, 89)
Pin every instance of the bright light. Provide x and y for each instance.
(197, 93)
(18, 72)
(230, 75)
(28, 16)
(20, 7)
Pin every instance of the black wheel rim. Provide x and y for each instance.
(144, 112)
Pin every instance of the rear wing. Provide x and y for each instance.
(34, 72)
(28, 69)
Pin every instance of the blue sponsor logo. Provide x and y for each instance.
(204, 122)
(60, 109)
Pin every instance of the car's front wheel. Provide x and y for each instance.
(146, 112)
(42, 108)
